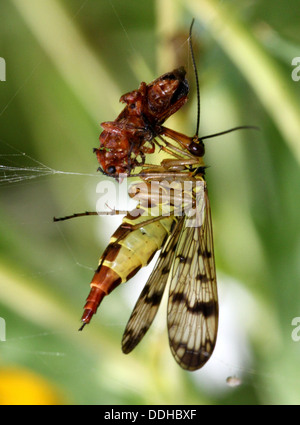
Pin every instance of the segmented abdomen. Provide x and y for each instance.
(131, 247)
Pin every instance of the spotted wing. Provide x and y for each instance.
(147, 305)
(193, 299)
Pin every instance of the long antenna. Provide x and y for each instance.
(196, 77)
(241, 127)
(198, 98)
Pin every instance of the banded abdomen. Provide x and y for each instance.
(131, 247)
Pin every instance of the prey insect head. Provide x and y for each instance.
(112, 163)
(113, 172)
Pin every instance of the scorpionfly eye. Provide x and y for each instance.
(197, 148)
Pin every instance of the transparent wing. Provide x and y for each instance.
(147, 305)
(193, 298)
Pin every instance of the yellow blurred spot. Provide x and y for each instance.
(21, 387)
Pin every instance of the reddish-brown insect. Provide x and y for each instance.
(125, 141)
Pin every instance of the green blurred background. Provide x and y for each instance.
(67, 64)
